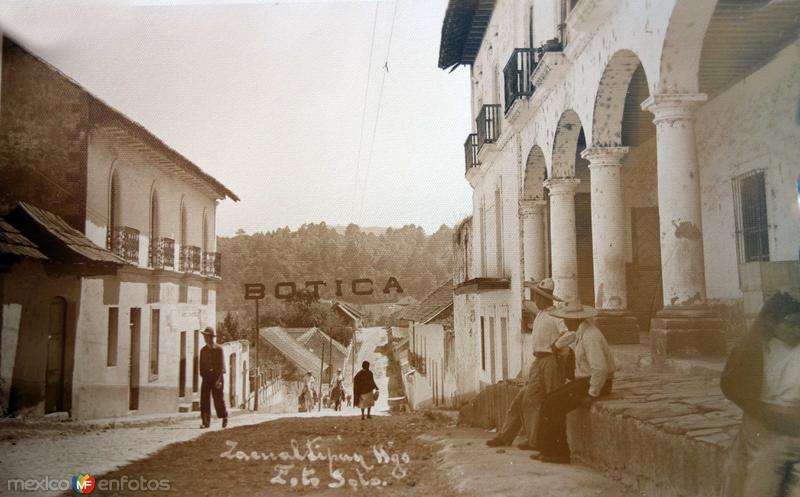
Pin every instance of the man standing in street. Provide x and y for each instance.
(212, 369)
(311, 391)
(594, 369)
(544, 375)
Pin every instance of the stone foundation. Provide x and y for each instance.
(678, 332)
(619, 327)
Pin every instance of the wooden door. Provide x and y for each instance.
(54, 380)
(644, 275)
(135, 353)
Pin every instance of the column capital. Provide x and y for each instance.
(562, 186)
(670, 107)
(529, 207)
(605, 156)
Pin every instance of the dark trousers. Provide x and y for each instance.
(552, 437)
(207, 390)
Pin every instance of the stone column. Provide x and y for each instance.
(532, 214)
(562, 236)
(685, 323)
(608, 245)
(608, 226)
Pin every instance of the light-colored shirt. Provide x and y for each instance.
(593, 357)
(781, 384)
(546, 330)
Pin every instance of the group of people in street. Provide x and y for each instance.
(572, 367)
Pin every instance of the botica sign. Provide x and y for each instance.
(288, 289)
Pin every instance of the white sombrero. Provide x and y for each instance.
(573, 309)
(543, 287)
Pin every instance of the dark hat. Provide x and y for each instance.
(208, 331)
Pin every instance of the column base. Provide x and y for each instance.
(687, 332)
(619, 327)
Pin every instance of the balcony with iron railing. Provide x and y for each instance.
(487, 125)
(162, 253)
(471, 152)
(212, 264)
(517, 76)
(190, 259)
(124, 242)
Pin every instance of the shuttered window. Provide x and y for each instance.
(752, 230)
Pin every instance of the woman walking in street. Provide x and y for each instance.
(364, 389)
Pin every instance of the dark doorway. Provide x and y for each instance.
(182, 367)
(644, 277)
(232, 380)
(133, 380)
(583, 242)
(54, 383)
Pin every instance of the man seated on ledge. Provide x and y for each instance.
(594, 370)
(544, 375)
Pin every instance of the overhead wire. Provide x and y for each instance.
(364, 112)
(377, 112)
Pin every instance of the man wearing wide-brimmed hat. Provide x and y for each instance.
(212, 369)
(544, 375)
(594, 369)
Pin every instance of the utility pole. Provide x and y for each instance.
(330, 361)
(258, 362)
(321, 368)
(255, 291)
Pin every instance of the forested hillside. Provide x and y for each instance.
(420, 262)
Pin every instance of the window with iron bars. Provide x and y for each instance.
(750, 209)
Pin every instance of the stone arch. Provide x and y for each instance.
(154, 213)
(114, 205)
(610, 101)
(683, 43)
(565, 145)
(535, 174)
(183, 223)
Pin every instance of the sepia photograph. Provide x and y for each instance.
(411, 248)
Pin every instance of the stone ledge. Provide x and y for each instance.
(670, 434)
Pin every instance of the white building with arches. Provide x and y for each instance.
(107, 323)
(643, 154)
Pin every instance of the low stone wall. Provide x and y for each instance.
(665, 432)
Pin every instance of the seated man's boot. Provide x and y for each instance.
(495, 442)
(526, 446)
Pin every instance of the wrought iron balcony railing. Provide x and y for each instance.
(124, 242)
(471, 151)
(191, 259)
(517, 76)
(162, 253)
(488, 124)
(212, 264)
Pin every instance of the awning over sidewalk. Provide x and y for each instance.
(61, 243)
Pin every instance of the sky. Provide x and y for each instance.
(288, 103)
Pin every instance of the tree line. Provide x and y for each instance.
(314, 252)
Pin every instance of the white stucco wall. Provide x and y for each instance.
(751, 126)
(137, 179)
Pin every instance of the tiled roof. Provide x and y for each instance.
(431, 306)
(291, 348)
(103, 114)
(55, 237)
(317, 336)
(348, 309)
(12, 242)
